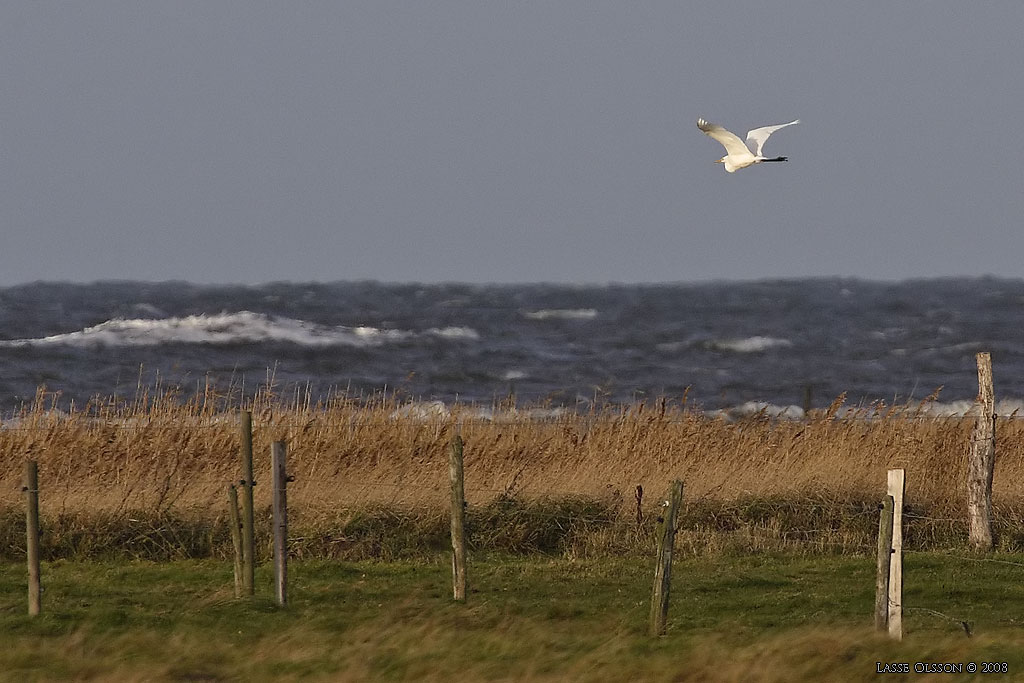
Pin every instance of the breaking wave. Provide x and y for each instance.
(244, 327)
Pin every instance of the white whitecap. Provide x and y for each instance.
(422, 410)
(561, 314)
(752, 408)
(755, 344)
(232, 328)
(966, 408)
(510, 415)
(455, 333)
(376, 334)
(148, 309)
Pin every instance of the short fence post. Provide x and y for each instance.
(278, 458)
(639, 506)
(882, 573)
(236, 536)
(981, 459)
(458, 501)
(31, 489)
(896, 488)
(663, 569)
(248, 531)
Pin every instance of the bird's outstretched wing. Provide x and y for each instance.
(758, 136)
(731, 142)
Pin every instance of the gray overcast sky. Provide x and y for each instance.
(507, 141)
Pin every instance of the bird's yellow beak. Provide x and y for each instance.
(720, 161)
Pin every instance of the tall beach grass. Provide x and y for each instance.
(148, 476)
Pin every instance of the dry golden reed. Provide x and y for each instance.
(169, 452)
(172, 454)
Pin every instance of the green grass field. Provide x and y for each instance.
(732, 618)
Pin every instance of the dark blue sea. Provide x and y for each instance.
(739, 346)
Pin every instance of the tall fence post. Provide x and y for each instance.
(281, 479)
(882, 573)
(981, 459)
(248, 531)
(896, 488)
(31, 489)
(663, 569)
(455, 472)
(236, 536)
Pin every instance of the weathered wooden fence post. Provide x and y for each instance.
(281, 479)
(896, 488)
(882, 573)
(248, 531)
(236, 536)
(458, 501)
(639, 506)
(981, 459)
(31, 489)
(663, 569)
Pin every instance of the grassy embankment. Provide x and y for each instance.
(755, 618)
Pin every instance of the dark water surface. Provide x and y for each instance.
(731, 343)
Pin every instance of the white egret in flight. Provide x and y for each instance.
(741, 155)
